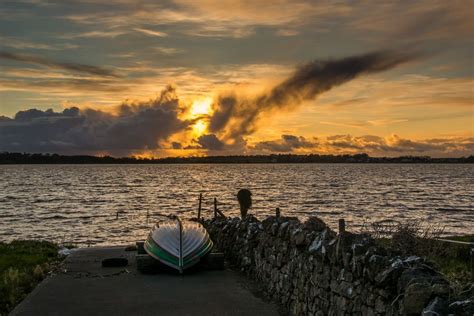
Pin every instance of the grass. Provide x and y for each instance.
(23, 264)
(454, 261)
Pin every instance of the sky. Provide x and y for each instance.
(227, 77)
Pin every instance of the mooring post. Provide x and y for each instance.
(277, 212)
(342, 226)
(116, 215)
(199, 208)
(215, 207)
(340, 253)
(220, 213)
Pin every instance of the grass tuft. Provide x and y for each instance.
(23, 264)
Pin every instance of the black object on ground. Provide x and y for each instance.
(131, 248)
(114, 262)
(140, 248)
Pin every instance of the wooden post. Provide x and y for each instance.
(199, 208)
(116, 215)
(215, 207)
(220, 213)
(147, 215)
(277, 212)
(217, 211)
(342, 225)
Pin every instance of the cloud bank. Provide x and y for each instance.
(287, 144)
(135, 127)
(392, 145)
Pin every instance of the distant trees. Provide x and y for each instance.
(27, 158)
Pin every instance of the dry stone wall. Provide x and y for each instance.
(311, 270)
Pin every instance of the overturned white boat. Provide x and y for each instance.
(178, 244)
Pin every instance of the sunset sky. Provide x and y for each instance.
(220, 77)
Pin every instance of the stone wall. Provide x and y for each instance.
(311, 270)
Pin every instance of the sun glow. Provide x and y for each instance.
(201, 107)
(200, 110)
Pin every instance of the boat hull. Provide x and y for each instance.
(177, 244)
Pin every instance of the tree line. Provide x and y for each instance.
(45, 158)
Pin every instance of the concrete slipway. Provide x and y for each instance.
(84, 287)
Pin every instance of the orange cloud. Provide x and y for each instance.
(391, 145)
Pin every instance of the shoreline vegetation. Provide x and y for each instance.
(23, 265)
(46, 158)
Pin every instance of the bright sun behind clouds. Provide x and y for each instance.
(200, 109)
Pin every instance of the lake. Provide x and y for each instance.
(79, 203)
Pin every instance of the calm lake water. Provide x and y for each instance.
(78, 203)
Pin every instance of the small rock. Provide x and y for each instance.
(413, 260)
(465, 307)
(413, 275)
(379, 305)
(376, 264)
(318, 243)
(359, 249)
(346, 289)
(436, 307)
(390, 275)
(441, 289)
(315, 224)
(283, 229)
(246, 261)
(64, 252)
(299, 237)
(274, 229)
(416, 297)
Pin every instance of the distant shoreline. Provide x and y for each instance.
(26, 158)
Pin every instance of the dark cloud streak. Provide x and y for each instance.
(236, 116)
(75, 67)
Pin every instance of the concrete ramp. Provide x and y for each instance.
(84, 287)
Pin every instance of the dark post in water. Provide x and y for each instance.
(199, 207)
(215, 207)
